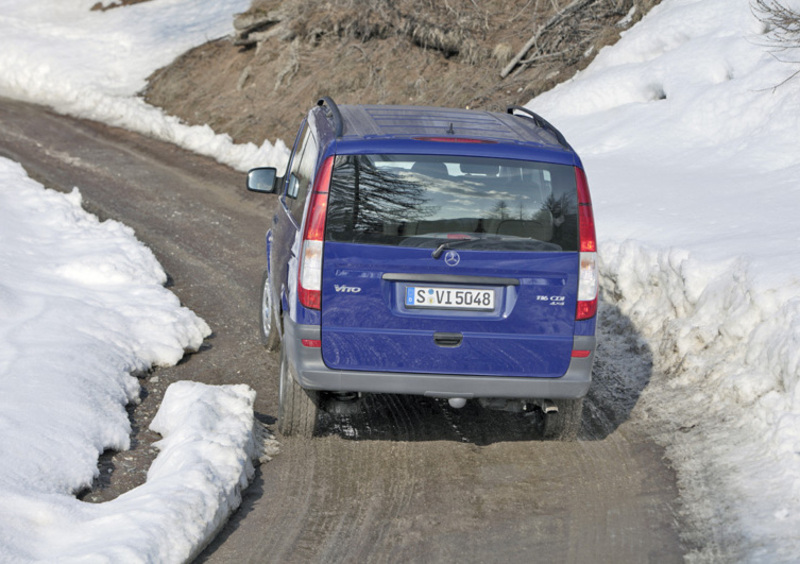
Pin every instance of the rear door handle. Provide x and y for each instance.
(447, 339)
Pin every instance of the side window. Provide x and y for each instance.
(293, 181)
(291, 190)
(302, 174)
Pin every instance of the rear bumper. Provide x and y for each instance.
(313, 374)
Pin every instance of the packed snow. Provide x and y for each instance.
(690, 133)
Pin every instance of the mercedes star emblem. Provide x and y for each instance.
(452, 258)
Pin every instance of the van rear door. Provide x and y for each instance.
(450, 265)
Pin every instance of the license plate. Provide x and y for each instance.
(450, 298)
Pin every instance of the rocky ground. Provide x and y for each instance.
(461, 53)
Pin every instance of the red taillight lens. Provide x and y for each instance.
(315, 225)
(585, 216)
(586, 310)
(309, 282)
(588, 276)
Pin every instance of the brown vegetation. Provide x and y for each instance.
(99, 6)
(461, 53)
(783, 25)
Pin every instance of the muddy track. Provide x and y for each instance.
(399, 478)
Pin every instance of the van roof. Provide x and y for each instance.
(404, 122)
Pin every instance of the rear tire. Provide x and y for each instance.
(566, 423)
(270, 331)
(298, 408)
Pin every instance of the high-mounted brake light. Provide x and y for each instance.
(309, 280)
(588, 283)
(454, 140)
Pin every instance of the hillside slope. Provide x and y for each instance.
(288, 54)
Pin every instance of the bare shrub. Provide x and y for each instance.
(783, 21)
(449, 27)
(783, 27)
(424, 52)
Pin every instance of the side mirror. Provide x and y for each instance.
(262, 180)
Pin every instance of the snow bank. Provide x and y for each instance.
(192, 487)
(82, 307)
(693, 157)
(91, 64)
(724, 394)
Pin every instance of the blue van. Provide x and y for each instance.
(441, 252)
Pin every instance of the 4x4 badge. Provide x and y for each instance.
(452, 258)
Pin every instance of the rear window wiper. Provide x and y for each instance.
(492, 241)
(450, 244)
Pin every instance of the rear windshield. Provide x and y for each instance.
(470, 202)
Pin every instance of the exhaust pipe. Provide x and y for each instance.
(457, 403)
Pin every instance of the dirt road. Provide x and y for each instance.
(404, 479)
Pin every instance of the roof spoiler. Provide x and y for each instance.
(333, 112)
(540, 122)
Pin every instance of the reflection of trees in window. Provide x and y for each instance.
(565, 219)
(503, 211)
(364, 198)
(389, 203)
(500, 210)
(559, 206)
(542, 215)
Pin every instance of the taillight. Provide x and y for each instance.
(309, 281)
(588, 283)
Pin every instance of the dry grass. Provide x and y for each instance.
(425, 52)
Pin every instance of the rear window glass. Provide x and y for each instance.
(424, 201)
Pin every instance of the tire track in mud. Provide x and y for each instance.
(408, 479)
(396, 482)
(390, 484)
